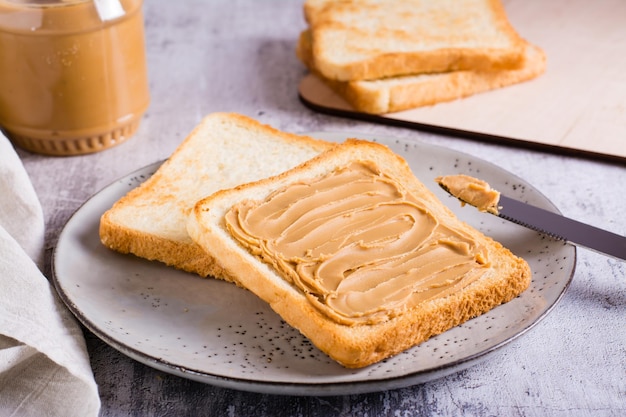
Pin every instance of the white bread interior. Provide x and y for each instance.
(224, 150)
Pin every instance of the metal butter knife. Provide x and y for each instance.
(557, 226)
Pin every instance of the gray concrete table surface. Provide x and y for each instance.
(236, 55)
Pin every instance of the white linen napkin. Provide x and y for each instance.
(44, 365)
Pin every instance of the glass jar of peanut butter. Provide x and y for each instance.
(73, 77)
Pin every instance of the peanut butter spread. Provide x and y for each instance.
(357, 244)
(472, 191)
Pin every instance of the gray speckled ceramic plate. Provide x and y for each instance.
(211, 331)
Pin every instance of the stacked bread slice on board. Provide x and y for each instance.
(386, 56)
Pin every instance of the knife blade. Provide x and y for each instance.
(561, 227)
(478, 193)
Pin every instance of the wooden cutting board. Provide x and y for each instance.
(578, 106)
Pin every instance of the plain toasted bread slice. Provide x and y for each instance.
(224, 150)
(354, 344)
(372, 39)
(392, 94)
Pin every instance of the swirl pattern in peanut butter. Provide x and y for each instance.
(359, 246)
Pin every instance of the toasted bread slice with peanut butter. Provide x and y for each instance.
(356, 253)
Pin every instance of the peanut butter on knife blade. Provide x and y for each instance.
(472, 191)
